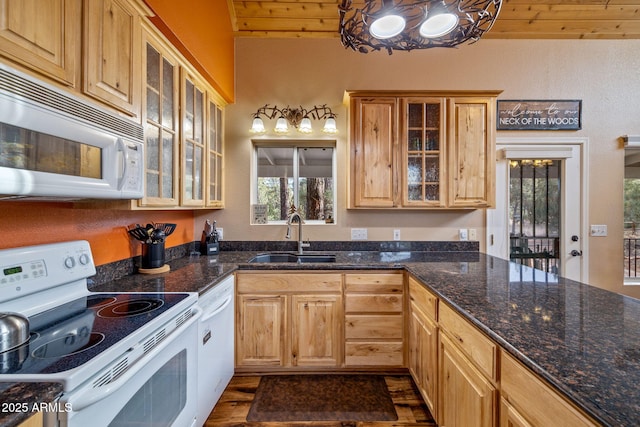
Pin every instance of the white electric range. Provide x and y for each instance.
(123, 359)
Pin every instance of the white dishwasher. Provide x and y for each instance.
(215, 346)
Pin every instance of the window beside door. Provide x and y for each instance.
(631, 229)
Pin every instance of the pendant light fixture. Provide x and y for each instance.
(414, 24)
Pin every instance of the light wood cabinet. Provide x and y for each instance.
(36, 420)
(183, 132)
(215, 157)
(468, 372)
(374, 139)
(43, 36)
(316, 330)
(112, 53)
(289, 320)
(423, 343)
(374, 319)
(472, 159)
(194, 147)
(517, 408)
(467, 398)
(160, 115)
(422, 149)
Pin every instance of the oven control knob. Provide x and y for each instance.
(84, 259)
(69, 262)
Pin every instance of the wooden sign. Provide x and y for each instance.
(540, 115)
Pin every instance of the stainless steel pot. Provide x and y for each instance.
(14, 331)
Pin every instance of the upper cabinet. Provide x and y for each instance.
(213, 196)
(472, 148)
(160, 116)
(183, 131)
(193, 141)
(48, 46)
(111, 52)
(422, 149)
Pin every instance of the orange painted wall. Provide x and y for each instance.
(27, 223)
(202, 30)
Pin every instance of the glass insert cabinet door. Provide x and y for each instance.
(193, 143)
(214, 181)
(423, 147)
(161, 128)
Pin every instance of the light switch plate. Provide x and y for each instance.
(396, 234)
(220, 233)
(473, 234)
(358, 234)
(598, 230)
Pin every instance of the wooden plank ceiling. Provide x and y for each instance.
(518, 19)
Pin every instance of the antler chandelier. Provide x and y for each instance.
(415, 24)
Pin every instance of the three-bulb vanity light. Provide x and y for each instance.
(415, 24)
(296, 117)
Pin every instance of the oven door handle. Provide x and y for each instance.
(91, 395)
(221, 307)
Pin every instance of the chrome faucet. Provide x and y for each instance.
(290, 220)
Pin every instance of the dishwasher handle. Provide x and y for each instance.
(216, 311)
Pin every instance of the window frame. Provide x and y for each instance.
(295, 144)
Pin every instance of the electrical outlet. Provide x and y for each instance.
(463, 234)
(598, 230)
(358, 234)
(220, 233)
(473, 234)
(396, 234)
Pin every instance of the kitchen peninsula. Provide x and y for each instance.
(578, 340)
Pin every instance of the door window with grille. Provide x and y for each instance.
(534, 213)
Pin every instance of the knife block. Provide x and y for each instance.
(209, 248)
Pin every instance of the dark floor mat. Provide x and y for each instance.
(322, 398)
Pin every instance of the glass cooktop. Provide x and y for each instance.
(72, 334)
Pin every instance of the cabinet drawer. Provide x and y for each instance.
(378, 303)
(299, 282)
(373, 326)
(373, 354)
(423, 299)
(374, 282)
(480, 349)
(548, 408)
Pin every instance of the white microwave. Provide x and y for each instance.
(53, 145)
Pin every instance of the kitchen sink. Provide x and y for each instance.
(289, 257)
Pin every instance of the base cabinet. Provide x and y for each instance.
(261, 330)
(288, 321)
(467, 398)
(315, 330)
(517, 408)
(423, 343)
(374, 320)
(423, 357)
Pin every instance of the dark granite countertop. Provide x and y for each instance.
(21, 401)
(582, 340)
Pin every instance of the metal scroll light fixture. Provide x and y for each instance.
(415, 24)
(296, 117)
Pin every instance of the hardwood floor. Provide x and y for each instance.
(232, 408)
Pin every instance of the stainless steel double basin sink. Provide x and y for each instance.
(282, 257)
